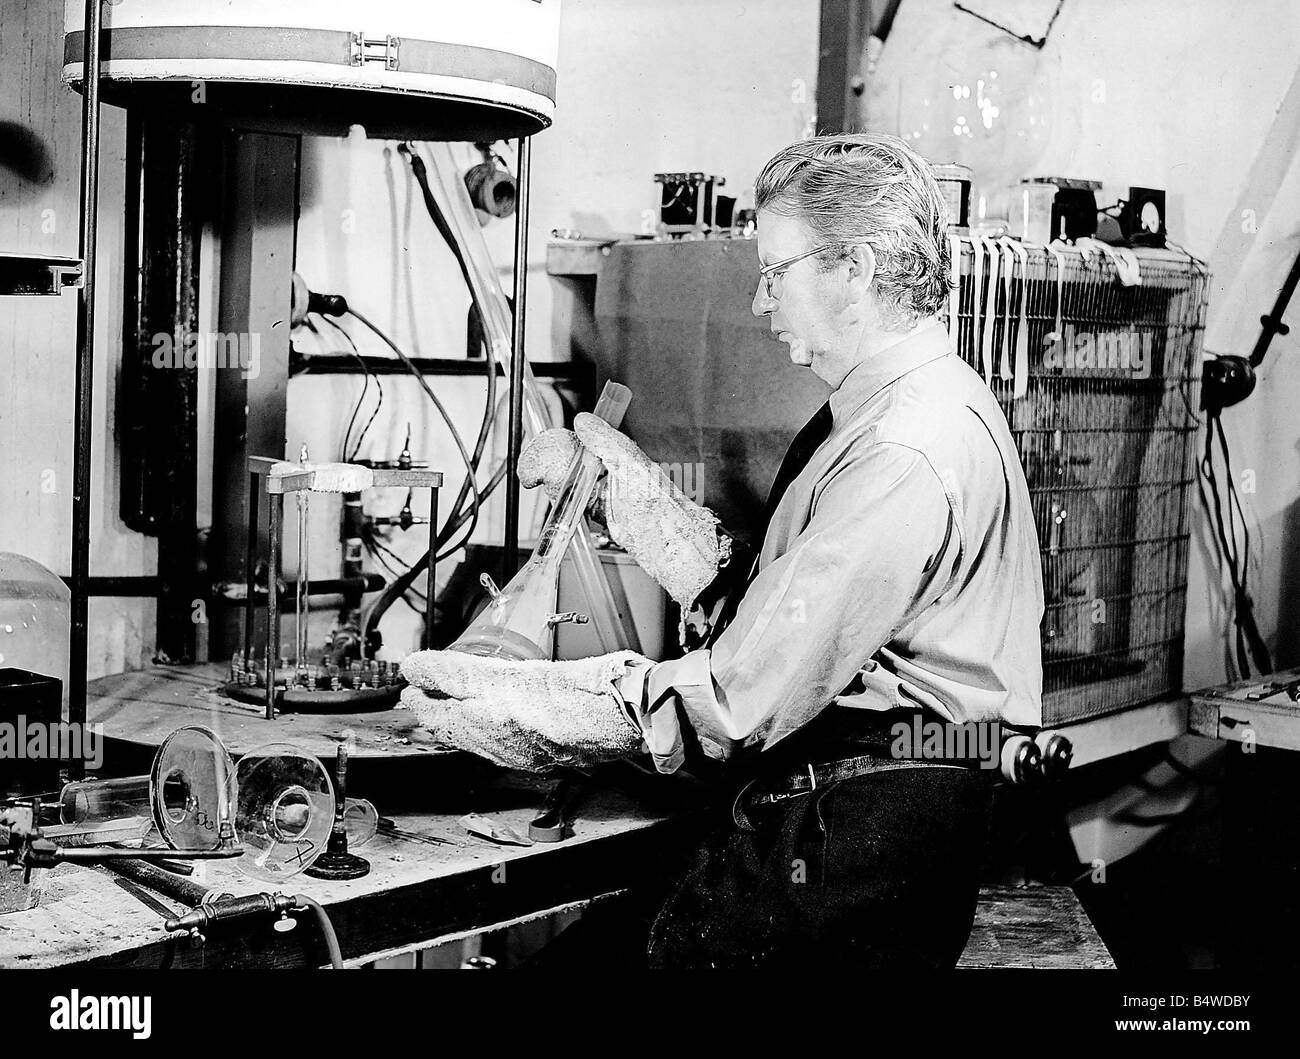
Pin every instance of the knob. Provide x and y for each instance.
(1057, 752)
(1021, 760)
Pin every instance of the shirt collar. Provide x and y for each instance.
(867, 379)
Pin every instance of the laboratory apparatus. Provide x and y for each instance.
(310, 682)
(188, 796)
(519, 620)
(285, 810)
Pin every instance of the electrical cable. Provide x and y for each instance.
(349, 456)
(470, 477)
(373, 546)
(1249, 645)
(352, 419)
(326, 929)
(343, 451)
(498, 476)
(431, 206)
(1245, 605)
(456, 517)
(395, 590)
(1196, 261)
(1227, 549)
(417, 605)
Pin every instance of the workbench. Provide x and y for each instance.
(1259, 711)
(417, 895)
(421, 894)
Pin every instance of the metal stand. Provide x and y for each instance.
(250, 685)
(517, 362)
(79, 581)
(336, 862)
(85, 378)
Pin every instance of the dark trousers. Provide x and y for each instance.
(875, 872)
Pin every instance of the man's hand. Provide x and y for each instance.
(533, 715)
(672, 538)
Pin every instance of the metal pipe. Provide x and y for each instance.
(250, 571)
(237, 591)
(334, 364)
(300, 616)
(276, 504)
(186, 892)
(517, 361)
(122, 587)
(85, 372)
(433, 569)
(1272, 322)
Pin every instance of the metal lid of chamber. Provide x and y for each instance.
(440, 70)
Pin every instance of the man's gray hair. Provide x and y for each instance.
(869, 188)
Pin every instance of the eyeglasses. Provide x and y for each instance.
(773, 272)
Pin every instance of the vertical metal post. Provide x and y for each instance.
(250, 562)
(517, 361)
(257, 249)
(276, 517)
(158, 410)
(85, 371)
(845, 26)
(433, 567)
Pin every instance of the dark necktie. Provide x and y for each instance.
(806, 442)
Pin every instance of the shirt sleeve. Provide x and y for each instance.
(882, 544)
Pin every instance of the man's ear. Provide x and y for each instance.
(862, 263)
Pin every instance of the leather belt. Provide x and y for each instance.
(814, 776)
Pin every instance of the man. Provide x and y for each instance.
(898, 577)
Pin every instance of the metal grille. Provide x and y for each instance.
(1105, 420)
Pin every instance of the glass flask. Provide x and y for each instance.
(361, 820)
(449, 190)
(519, 620)
(189, 795)
(35, 619)
(286, 811)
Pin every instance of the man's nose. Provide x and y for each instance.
(762, 304)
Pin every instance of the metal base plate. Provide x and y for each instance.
(299, 700)
(338, 866)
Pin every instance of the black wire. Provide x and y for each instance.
(444, 229)
(394, 591)
(373, 546)
(356, 408)
(456, 518)
(1199, 264)
(470, 475)
(1235, 509)
(1245, 605)
(497, 476)
(343, 452)
(1248, 642)
(398, 587)
(1227, 550)
(348, 457)
(1233, 500)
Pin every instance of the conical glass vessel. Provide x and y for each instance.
(519, 621)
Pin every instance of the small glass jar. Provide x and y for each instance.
(1030, 208)
(955, 181)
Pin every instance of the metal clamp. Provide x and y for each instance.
(374, 50)
(566, 617)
